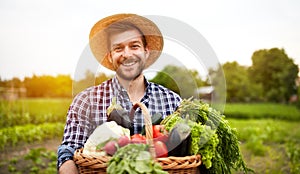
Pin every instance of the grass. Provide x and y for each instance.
(269, 146)
(32, 111)
(262, 111)
(29, 133)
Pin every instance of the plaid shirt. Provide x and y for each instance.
(88, 110)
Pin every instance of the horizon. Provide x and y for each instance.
(49, 38)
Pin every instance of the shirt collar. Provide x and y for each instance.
(117, 87)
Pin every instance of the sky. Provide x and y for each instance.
(48, 37)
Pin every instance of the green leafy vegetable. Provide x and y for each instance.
(211, 136)
(134, 159)
(204, 142)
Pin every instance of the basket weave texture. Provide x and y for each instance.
(90, 164)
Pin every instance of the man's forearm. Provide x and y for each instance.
(68, 167)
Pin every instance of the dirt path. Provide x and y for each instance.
(12, 152)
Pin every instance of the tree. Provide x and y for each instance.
(180, 80)
(90, 79)
(48, 86)
(238, 86)
(62, 86)
(275, 72)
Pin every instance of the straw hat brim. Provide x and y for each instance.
(98, 38)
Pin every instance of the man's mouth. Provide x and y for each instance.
(129, 62)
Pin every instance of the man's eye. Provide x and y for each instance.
(117, 49)
(135, 46)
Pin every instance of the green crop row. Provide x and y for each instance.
(36, 161)
(268, 145)
(32, 111)
(262, 111)
(29, 133)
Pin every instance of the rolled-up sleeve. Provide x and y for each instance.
(64, 153)
(76, 130)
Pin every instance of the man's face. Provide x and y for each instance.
(128, 54)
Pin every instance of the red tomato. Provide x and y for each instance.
(158, 130)
(160, 133)
(138, 138)
(163, 138)
(161, 149)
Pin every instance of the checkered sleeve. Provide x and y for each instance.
(76, 129)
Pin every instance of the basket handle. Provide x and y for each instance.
(148, 125)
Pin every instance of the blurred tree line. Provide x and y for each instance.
(52, 87)
(272, 77)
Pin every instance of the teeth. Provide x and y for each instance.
(128, 62)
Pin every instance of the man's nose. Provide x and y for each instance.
(127, 52)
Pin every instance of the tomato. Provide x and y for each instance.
(138, 138)
(161, 149)
(160, 133)
(158, 130)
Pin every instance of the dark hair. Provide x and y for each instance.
(122, 26)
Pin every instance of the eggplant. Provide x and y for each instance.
(116, 113)
(156, 119)
(121, 117)
(179, 140)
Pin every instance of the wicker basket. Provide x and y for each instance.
(90, 164)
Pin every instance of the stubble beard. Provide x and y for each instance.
(121, 72)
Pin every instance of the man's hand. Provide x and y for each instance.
(68, 167)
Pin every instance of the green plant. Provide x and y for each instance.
(262, 111)
(29, 133)
(36, 161)
(293, 151)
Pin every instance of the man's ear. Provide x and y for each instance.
(147, 52)
(109, 57)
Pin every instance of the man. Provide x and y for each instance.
(126, 44)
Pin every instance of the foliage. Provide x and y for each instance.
(217, 80)
(271, 78)
(208, 147)
(238, 86)
(276, 72)
(293, 151)
(218, 145)
(29, 133)
(262, 111)
(180, 80)
(36, 161)
(270, 146)
(134, 159)
(34, 111)
(90, 79)
(48, 86)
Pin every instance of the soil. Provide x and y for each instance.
(20, 150)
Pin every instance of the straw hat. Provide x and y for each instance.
(98, 38)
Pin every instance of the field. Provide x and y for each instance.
(31, 130)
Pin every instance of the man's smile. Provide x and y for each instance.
(129, 62)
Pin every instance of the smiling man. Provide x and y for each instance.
(126, 44)
(128, 53)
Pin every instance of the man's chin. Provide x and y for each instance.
(128, 77)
